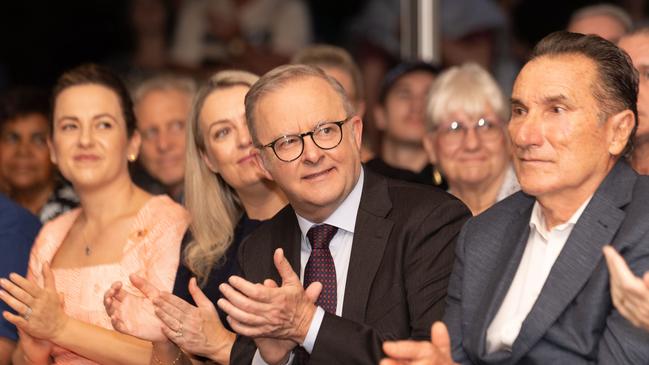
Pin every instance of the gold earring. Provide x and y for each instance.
(437, 177)
(132, 157)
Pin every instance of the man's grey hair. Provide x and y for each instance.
(609, 10)
(277, 78)
(163, 82)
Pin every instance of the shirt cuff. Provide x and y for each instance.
(314, 328)
(258, 360)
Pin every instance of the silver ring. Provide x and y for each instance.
(27, 313)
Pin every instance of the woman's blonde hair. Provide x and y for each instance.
(468, 88)
(214, 206)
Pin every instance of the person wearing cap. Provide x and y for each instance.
(400, 114)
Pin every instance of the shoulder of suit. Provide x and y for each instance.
(267, 229)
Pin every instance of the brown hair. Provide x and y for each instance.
(99, 75)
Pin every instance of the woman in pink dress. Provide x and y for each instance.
(118, 230)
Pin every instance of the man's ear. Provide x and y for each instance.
(357, 130)
(620, 128)
(428, 142)
(259, 159)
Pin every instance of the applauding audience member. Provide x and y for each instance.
(530, 278)
(119, 229)
(228, 196)
(360, 257)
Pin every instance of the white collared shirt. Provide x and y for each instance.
(542, 250)
(344, 218)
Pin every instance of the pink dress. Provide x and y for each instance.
(152, 251)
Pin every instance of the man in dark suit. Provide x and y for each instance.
(375, 254)
(530, 285)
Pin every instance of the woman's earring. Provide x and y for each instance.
(437, 177)
(132, 157)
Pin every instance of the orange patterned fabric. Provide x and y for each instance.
(152, 251)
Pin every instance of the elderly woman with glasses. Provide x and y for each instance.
(467, 139)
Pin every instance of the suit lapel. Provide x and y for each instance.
(371, 235)
(509, 256)
(288, 237)
(582, 252)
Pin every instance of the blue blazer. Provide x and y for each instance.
(18, 229)
(573, 321)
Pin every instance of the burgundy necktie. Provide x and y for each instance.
(320, 266)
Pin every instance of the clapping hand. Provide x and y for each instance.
(40, 310)
(630, 294)
(435, 352)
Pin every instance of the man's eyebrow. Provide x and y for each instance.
(516, 102)
(560, 98)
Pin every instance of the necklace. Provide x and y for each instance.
(87, 249)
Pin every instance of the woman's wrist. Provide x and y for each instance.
(165, 353)
(59, 332)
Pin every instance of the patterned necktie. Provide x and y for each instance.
(320, 266)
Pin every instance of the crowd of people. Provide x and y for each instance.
(249, 218)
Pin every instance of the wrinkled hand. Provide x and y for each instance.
(195, 329)
(274, 351)
(41, 309)
(630, 293)
(435, 352)
(285, 312)
(134, 314)
(35, 351)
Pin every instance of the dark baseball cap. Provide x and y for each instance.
(401, 70)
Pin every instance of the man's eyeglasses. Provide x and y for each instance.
(455, 132)
(325, 135)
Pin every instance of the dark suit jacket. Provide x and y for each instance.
(573, 320)
(401, 260)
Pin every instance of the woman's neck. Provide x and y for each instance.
(262, 201)
(33, 199)
(479, 197)
(105, 204)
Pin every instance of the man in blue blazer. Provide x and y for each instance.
(530, 284)
(18, 229)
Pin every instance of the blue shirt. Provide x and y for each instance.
(18, 229)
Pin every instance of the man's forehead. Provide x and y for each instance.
(551, 76)
(301, 103)
(637, 46)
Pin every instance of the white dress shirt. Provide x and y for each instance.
(542, 250)
(344, 218)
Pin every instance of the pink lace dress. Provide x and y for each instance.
(152, 251)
